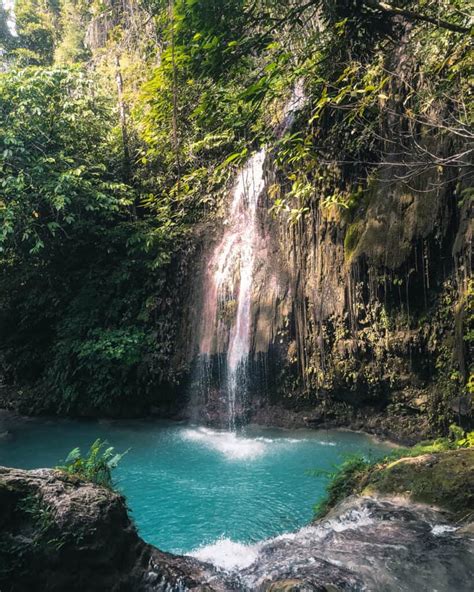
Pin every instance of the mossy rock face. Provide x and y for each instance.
(351, 239)
(445, 479)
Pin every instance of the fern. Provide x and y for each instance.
(96, 466)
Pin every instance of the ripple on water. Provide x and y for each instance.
(192, 487)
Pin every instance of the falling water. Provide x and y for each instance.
(229, 283)
(226, 329)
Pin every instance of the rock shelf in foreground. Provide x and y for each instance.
(58, 533)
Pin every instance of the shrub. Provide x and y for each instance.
(342, 482)
(347, 477)
(96, 466)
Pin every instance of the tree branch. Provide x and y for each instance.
(416, 16)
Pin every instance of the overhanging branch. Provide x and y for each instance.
(416, 16)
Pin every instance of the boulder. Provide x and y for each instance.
(59, 533)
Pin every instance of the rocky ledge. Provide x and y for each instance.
(368, 545)
(405, 429)
(58, 533)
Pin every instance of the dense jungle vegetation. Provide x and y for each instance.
(122, 124)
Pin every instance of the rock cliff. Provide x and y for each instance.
(360, 302)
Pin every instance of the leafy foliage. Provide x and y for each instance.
(201, 92)
(347, 477)
(78, 269)
(342, 482)
(96, 466)
(54, 165)
(121, 127)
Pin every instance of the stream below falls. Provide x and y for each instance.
(196, 490)
(242, 501)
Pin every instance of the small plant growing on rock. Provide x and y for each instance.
(342, 483)
(355, 472)
(96, 466)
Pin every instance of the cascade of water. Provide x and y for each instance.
(229, 282)
(226, 322)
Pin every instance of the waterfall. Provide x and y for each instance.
(226, 325)
(229, 282)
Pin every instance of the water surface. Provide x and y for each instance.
(191, 488)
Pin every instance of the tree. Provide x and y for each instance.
(7, 40)
(74, 16)
(53, 171)
(78, 274)
(36, 28)
(283, 12)
(413, 15)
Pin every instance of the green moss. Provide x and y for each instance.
(343, 482)
(438, 472)
(443, 479)
(352, 237)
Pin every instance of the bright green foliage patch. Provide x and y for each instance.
(342, 482)
(96, 466)
(436, 472)
(56, 164)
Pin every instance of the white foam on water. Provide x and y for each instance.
(280, 440)
(284, 440)
(231, 555)
(227, 554)
(350, 520)
(440, 529)
(229, 444)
